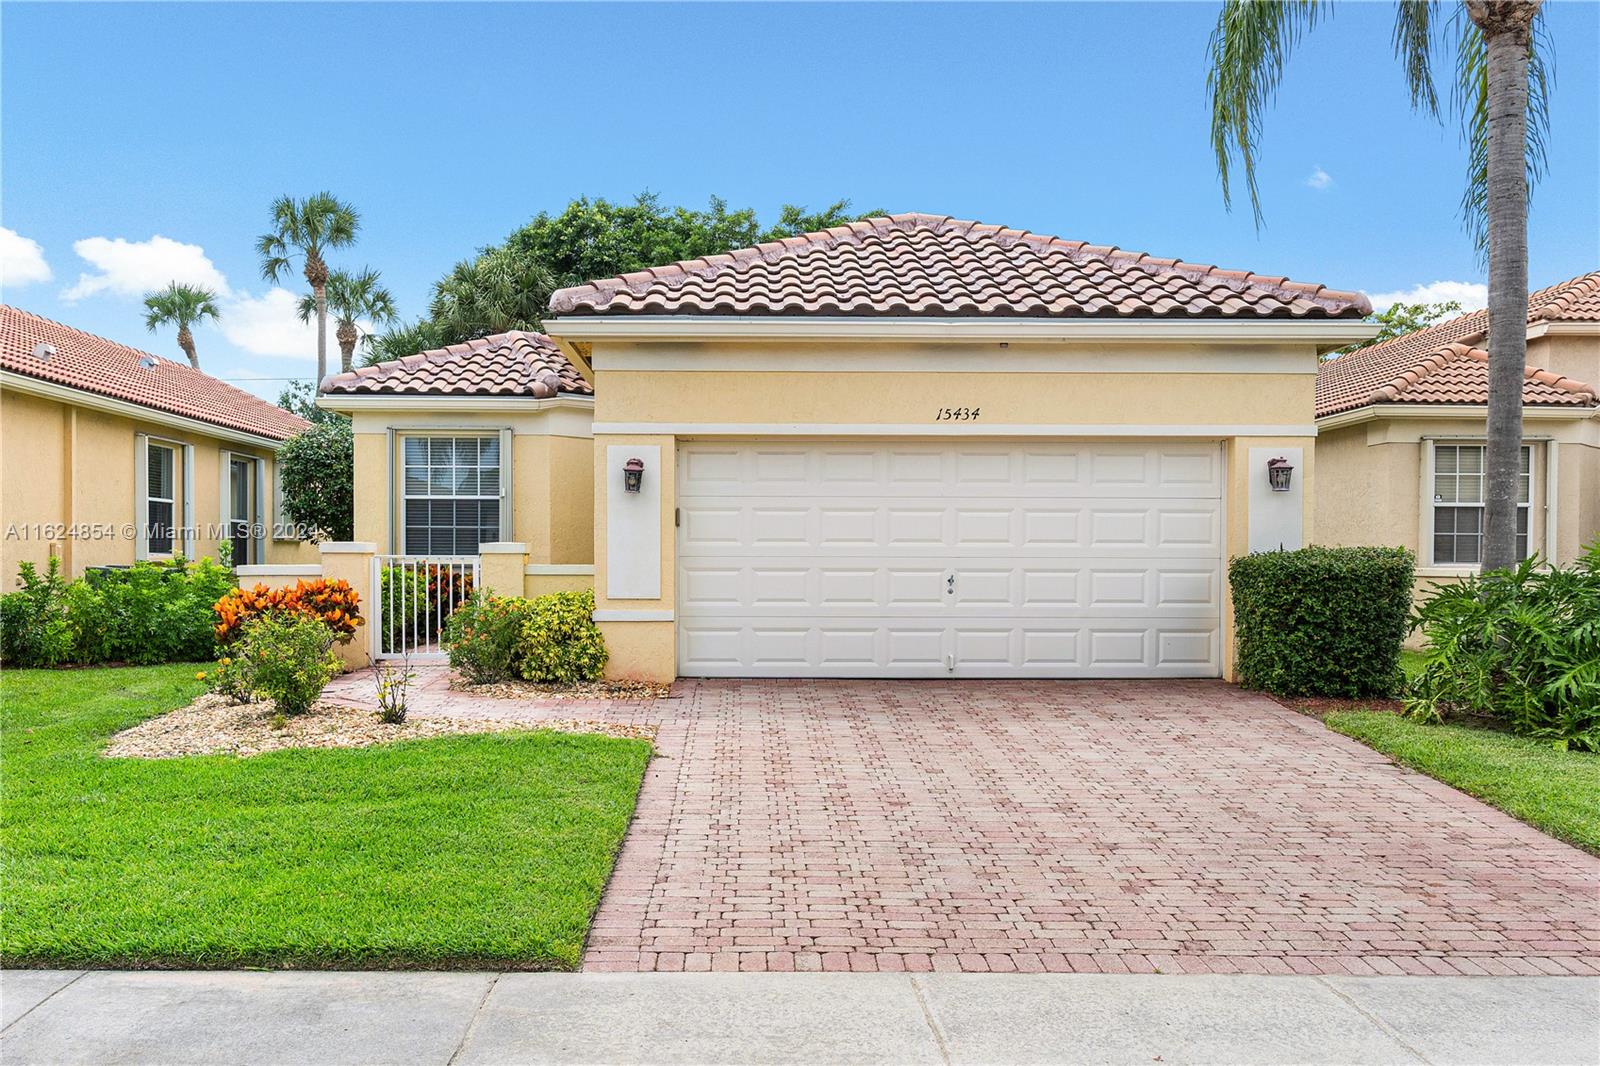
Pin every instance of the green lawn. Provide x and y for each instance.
(484, 850)
(1413, 662)
(1556, 791)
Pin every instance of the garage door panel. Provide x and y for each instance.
(838, 559)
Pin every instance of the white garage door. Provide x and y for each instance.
(949, 560)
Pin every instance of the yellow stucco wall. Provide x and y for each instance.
(551, 478)
(66, 465)
(1371, 493)
(1211, 402)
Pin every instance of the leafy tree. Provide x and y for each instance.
(181, 306)
(352, 298)
(308, 228)
(419, 336)
(1398, 319)
(300, 397)
(508, 285)
(502, 289)
(1501, 99)
(319, 479)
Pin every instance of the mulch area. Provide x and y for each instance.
(1321, 706)
(581, 690)
(213, 725)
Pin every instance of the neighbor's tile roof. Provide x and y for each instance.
(1393, 371)
(507, 364)
(93, 364)
(934, 265)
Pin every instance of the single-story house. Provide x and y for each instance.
(1400, 437)
(110, 454)
(910, 446)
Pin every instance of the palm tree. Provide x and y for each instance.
(181, 306)
(500, 290)
(351, 298)
(308, 228)
(1501, 97)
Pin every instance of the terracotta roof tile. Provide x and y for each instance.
(96, 365)
(932, 265)
(507, 364)
(1368, 375)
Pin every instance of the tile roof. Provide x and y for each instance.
(933, 265)
(1379, 373)
(93, 364)
(517, 363)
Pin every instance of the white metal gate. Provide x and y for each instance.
(414, 596)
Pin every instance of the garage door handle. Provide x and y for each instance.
(950, 584)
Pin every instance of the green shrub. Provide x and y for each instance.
(285, 657)
(1521, 645)
(1321, 621)
(484, 637)
(560, 642)
(157, 612)
(34, 628)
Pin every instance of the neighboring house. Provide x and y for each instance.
(905, 447)
(110, 454)
(1401, 437)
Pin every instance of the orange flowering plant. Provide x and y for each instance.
(334, 603)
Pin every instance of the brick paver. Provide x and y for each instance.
(1109, 827)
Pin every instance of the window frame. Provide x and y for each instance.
(399, 497)
(1429, 564)
(147, 527)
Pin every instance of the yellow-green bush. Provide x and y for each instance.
(560, 642)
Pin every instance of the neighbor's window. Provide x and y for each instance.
(160, 496)
(1458, 504)
(452, 494)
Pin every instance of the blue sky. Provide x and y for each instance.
(450, 125)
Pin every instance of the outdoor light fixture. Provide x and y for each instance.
(632, 474)
(1279, 471)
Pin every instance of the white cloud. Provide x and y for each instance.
(21, 260)
(1320, 179)
(132, 268)
(270, 325)
(1471, 295)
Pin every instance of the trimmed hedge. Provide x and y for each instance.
(1322, 621)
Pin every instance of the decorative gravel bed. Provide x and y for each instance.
(211, 725)
(582, 690)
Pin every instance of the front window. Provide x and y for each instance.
(1458, 504)
(160, 497)
(452, 494)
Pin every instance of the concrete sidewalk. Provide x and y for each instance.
(447, 1018)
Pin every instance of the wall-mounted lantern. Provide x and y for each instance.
(1279, 471)
(633, 474)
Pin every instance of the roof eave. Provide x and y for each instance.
(1326, 333)
(63, 393)
(1372, 411)
(349, 403)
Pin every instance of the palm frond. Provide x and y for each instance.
(1413, 44)
(179, 305)
(1249, 47)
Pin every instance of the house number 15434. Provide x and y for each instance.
(957, 414)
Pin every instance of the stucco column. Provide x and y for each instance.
(635, 555)
(501, 567)
(351, 560)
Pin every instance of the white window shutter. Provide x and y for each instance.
(141, 495)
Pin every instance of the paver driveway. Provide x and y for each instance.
(1113, 826)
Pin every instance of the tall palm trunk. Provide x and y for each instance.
(186, 342)
(347, 345)
(1507, 29)
(317, 275)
